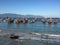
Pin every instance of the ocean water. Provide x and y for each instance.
(38, 27)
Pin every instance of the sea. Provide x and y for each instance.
(37, 27)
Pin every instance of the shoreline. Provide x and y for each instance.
(27, 32)
(42, 37)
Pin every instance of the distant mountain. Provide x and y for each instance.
(19, 15)
(9, 15)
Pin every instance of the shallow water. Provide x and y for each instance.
(5, 40)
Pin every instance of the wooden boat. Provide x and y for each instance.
(55, 21)
(50, 20)
(17, 21)
(25, 20)
(10, 20)
(32, 21)
(43, 20)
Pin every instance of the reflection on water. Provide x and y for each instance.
(34, 27)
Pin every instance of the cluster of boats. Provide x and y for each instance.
(26, 20)
(50, 21)
(19, 20)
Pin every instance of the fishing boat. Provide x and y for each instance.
(50, 20)
(17, 21)
(10, 20)
(43, 20)
(32, 21)
(25, 20)
(55, 21)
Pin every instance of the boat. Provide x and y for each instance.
(25, 20)
(17, 21)
(55, 21)
(10, 20)
(32, 21)
(43, 20)
(50, 20)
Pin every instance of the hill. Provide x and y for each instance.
(19, 15)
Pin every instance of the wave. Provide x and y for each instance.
(35, 36)
(40, 37)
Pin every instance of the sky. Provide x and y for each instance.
(46, 8)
